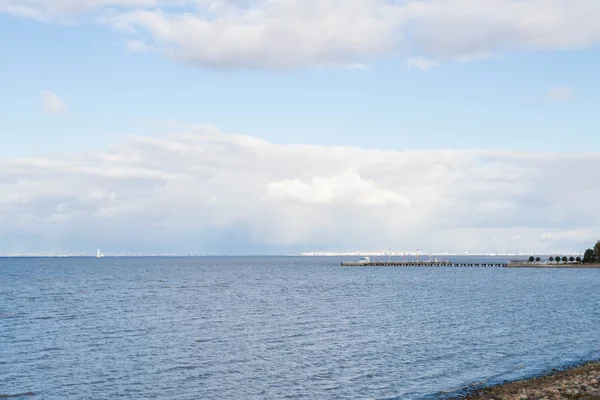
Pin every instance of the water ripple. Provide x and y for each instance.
(283, 328)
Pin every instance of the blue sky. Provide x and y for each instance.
(492, 82)
(497, 103)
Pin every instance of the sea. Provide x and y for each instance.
(283, 327)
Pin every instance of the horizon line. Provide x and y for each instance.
(304, 254)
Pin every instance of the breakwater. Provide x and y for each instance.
(415, 263)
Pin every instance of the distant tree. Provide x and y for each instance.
(538, 259)
(531, 259)
(578, 259)
(588, 256)
(564, 259)
(597, 251)
(557, 259)
(571, 258)
(551, 259)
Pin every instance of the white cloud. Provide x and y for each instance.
(347, 186)
(98, 196)
(202, 190)
(422, 63)
(474, 57)
(561, 93)
(137, 46)
(62, 10)
(282, 34)
(429, 63)
(562, 235)
(53, 104)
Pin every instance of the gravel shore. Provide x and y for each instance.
(581, 382)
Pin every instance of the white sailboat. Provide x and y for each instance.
(98, 255)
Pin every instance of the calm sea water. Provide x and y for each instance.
(283, 328)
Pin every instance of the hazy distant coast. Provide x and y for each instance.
(541, 265)
(590, 259)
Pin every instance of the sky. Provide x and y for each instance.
(282, 126)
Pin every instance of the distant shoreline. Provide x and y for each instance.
(534, 265)
(423, 255)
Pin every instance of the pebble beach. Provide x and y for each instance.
(581, 382)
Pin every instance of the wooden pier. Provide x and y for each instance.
(415, 263)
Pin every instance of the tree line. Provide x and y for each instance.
(590, 256)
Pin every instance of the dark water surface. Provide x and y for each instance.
(282, 328)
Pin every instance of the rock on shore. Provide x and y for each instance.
(581, 382)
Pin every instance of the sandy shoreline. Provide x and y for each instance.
(579, 382)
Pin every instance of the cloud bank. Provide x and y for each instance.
(285, 34)
(200, 190)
